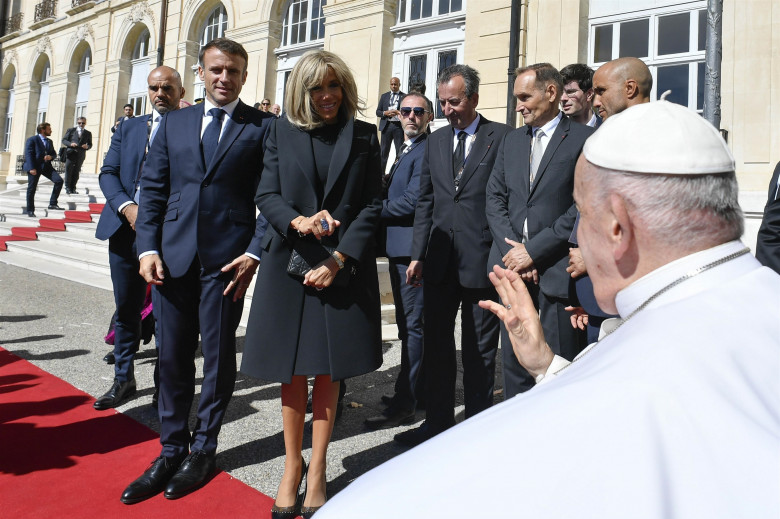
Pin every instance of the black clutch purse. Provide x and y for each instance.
(307, 254)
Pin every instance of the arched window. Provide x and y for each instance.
(139, 70)
(82, 92)
(214, 27)
(43, 98)
(303, 22)
(9, 115)
(411, 10)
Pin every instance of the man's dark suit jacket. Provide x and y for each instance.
(548, 205)
(72, 135)
(34, 151)
(119, 172)
(768, 244)
(185, 209)
(384, 102)
(399, 205)
(447, 220)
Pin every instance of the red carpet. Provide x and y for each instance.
(59, 458)
(30, 233)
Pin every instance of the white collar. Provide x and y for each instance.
(471, 129)
(631, 297)
(550, 127)
(228, 108)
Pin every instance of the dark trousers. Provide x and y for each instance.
(129, 295)
(32, 185)
(561, 336)
(393, 134)
(182, 307)
(479, 342)
(72, 171)
(408, 301)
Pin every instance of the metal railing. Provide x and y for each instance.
(45, 10)
(14, 23)
(76, 3)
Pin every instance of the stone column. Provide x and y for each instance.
(359, 32)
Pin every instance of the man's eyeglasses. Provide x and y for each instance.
(81, 123)
(265, 104)
(419, 112)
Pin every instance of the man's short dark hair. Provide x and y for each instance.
(42, 127)
(82, 118)
(470, 77)
(128, 105)
(417, 93)
(580, 73)
(545, 74)
(227, 46)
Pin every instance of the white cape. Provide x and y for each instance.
(676, 414)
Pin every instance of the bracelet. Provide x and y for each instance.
(339, 261)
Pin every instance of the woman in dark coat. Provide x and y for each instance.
(321, 186)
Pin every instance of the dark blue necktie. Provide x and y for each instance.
(210, 138)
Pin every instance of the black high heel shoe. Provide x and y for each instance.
(308, 511)
(293, 511)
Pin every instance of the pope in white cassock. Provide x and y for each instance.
(677, 408)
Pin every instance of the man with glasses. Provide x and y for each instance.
(77, 140)
(402, 187)
(265, 105)
(577, 97)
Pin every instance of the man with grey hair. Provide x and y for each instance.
(450, 247)
(529, 210)
(676, 410)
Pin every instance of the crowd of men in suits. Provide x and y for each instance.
(472, 194)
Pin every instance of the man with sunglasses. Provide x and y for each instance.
(77, 140)
(402, 187)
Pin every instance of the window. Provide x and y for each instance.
(139, 70)
(670, 41)
(9, 116)
(43, 97)
(82, 92)
(303, 22)
(446, 58)
(411, 10)
(214, 27)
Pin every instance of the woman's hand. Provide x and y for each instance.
(319, 224)
(322, 275)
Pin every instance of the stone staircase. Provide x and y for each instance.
(63, 243)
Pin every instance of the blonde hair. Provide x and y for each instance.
(309, 72)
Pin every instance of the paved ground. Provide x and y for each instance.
(59, 326)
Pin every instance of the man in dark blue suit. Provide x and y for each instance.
(199, 244)
(119, 180)
(403, 188)
(389, 123)
(38, 154)
(531, 211)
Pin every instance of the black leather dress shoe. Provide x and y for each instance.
(152, 481)
(156, 398)
(56, 207)
(31, 214)
(390, 417)
(119, 392)
(109, 358)
(196, 470)
(414, 437)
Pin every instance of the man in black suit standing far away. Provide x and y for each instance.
(389, 122)
(531, 211)
(199, 242)
(77, 140)
(450, 249)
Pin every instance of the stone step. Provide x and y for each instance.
(87, 260)
(77, 241)
(83, 229)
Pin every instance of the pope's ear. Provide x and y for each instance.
(620, 230)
